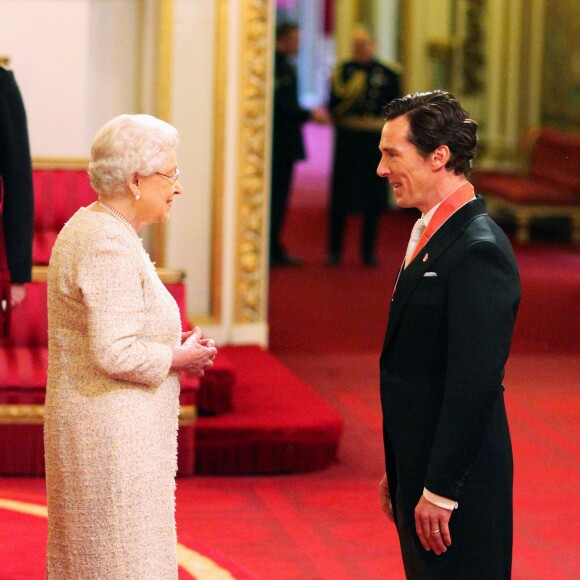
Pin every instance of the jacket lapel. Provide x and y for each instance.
(429, 254)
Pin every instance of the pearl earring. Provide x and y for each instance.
(137, 197)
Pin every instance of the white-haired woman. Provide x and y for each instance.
(115, 353)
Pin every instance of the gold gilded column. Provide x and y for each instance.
(164, 45)
(256, 58)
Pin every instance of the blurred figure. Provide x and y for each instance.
(360, 89)
(16, 198)
(287, 140)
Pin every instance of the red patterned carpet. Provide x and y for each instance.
(327, 524)
(326, 327)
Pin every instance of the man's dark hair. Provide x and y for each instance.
(437, 118)
(285, 28)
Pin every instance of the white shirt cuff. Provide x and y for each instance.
(439, 500)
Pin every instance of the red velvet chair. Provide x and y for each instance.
(549, 188)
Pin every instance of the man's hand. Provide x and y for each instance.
(432, 525)
(385, 496)
(320, 115)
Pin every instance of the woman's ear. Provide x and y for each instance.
(134, 187)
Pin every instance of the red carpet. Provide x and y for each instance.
(346, 307)
(23, 530)
(328, 524)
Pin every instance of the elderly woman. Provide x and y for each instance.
(115, 353)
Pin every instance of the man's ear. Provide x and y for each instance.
(440, 157)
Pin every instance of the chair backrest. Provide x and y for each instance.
(58, 194)
(556, 158)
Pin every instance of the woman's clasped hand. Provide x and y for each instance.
(195, 355)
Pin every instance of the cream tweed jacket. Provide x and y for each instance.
(112, 407)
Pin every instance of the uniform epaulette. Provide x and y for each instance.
(396, 67)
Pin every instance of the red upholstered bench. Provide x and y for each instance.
(23, 369)
(23, 366)
(216, 387)
(549, 188)
(279, 424)
(215, 391)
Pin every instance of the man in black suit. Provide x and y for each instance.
(449, 468)
(17, 205)
(287, 141)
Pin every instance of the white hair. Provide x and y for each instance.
(126, 145)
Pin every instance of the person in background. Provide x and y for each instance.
(449, 467)
(115, 354)
(360, 89)
(16, 195)
(287, 139)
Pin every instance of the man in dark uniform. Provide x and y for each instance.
(449, 468)
(360, 89)
(287, 141)
(17, 203)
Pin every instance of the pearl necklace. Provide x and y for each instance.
(118, 215)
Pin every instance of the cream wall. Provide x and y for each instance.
(205, 66)
(75, 63)
(512, 40)
(221, 84)
(189, 233)
(387, 29)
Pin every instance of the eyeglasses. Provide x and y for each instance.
(174, 176)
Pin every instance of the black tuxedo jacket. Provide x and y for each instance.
(288, 116)
(16, 174)
(442, 365)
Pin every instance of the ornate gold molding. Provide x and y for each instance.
(187, 415)
(166, 275)
(34, 414)
(164, 50)
(71, 163)
(21, 414)
(473, 49)
(256, 59)
(221, 60)
(164, 59)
